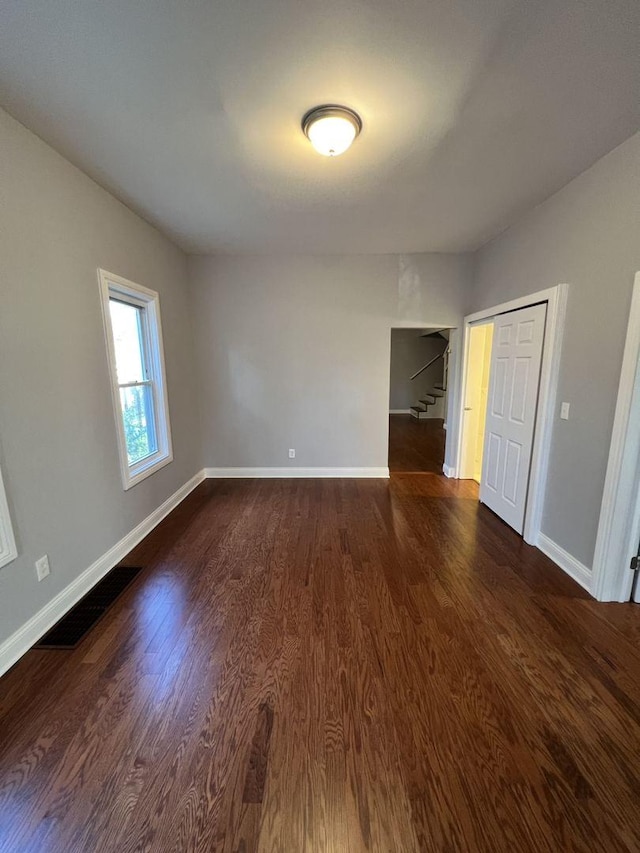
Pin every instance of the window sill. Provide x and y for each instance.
(140, 472)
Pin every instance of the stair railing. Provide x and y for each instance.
(429, 363)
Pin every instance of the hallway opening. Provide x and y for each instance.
(418, 399)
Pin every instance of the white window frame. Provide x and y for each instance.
(112, 285)
(8, 550)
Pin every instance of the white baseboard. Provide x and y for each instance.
(574, 568)
(21, 641)
(399, 411)
(291, 473)
(449, 471)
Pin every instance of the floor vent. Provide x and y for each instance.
(68, 632)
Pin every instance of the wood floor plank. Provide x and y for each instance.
(332, 665)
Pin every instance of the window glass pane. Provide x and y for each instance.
(138, 420)
(127, 338)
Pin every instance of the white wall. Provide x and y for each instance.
(588, 235)
(293, 352)
(58, 447)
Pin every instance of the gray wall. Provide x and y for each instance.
(410, 351)
(294, 351)
(57, 436)
(588, 235)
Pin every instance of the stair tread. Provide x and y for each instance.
(416, 412)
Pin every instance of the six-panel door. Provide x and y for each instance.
(511, 412)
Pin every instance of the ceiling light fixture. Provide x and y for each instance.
(331, 129)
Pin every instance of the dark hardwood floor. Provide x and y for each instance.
(331, 665)
(416, 446)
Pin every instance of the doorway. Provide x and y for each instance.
(418, 399)
(523, 378)
(475, 403)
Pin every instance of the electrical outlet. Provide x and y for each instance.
(42, 567)
(564, 411)
(292, 453)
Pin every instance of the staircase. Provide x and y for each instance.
(421, 408)
(438, 390)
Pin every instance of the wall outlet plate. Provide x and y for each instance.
(292, 453)
(42, 567)
(564, 411)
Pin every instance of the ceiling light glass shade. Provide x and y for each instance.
(331, 129)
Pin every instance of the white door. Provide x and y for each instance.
(513, 398)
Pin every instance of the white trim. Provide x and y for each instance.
(574, 568)
(556, 299)
(294, 473)
(8, 549)
(448, 471)
(150, 301)
(619, 524)
(514, 304)
(21, 641)
(399, 411)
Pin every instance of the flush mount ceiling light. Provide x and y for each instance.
(331, 129)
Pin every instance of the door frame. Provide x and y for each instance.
(619, 524)
(556, 299)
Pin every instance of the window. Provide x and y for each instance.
(8, 551)
(136, 360)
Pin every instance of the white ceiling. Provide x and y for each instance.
(189, 111)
